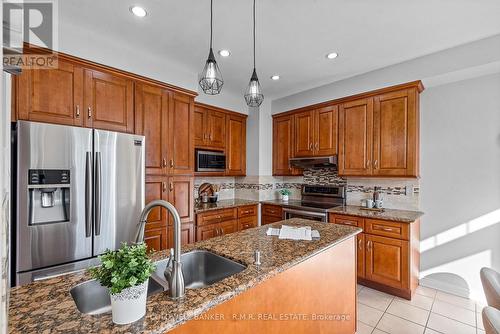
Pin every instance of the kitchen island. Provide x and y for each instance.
(300, 286)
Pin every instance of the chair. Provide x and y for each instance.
(491, 286)
(491, 320)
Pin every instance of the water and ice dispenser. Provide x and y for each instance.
(49, 196)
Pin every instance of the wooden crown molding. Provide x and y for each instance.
(412, 84)
(33, 49)
(227, 111)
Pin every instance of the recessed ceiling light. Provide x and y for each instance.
(138, 11)
(275, 77)
(332, 55)
(224, 53)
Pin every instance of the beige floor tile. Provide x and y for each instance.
(363, 328)
(378, 331)
(394, 325)
(425, 291)
(408, 312)
(374, 298)
(454, 312)
(448, 326)
(359, 288)
(430, 331)
(456, 300)
(418, 301)
(479, 321)
(368, 315)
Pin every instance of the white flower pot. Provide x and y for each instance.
(130, 304)
(284, 198)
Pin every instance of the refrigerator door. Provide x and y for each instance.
(119, 188)
(54, 195)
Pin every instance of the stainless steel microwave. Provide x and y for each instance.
(210, 161)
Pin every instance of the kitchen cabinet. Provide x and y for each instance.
(210, 128)
(155, 233)
(181, 144)
(51, 96)
(156, 239)
(108, 101)
(152, 104)
(316, 132)
(236, 145)
(396, 134)
(283, 146)
(180, 194)
(271, 214)
(355, 129)
(187, 234)
(387, 255)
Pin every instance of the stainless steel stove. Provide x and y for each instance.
(315, 203)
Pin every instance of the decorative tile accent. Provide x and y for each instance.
(323, 176)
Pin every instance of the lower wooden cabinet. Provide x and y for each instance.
(187, 234)
(156, 239)
(215, 223)
(271, 214)
(387, 253)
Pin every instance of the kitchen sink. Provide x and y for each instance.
(200, 268)
(92, 298)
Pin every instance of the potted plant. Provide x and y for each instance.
(285, 194)
(125, 272)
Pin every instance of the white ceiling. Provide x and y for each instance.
(293, 36)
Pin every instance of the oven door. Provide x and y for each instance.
(304, 214)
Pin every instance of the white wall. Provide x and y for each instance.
(460, 184)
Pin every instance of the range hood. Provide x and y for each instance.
(315, 162)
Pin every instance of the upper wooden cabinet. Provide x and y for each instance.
(181, 144)
(209, 128)
(236, 145)
(109, 101)
(52, 96)
(316, 132)
(356, 122)
(283, 145)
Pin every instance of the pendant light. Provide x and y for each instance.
(253, 94)
(210, 78)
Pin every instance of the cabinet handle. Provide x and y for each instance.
(221, 231)
(77, 111)
(368, 163)
(317, 146)
(89, 112)
(210, 137)
(369, 245)
(171, 163)
(164, 186)
(310, 146)
(164, 162)
(171, 186)
(360, 244)
(375, 164)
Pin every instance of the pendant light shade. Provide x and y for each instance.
(253, 94)
(210, 79)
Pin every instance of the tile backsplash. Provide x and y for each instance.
(397, 193)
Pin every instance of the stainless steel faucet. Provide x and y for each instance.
(176, 285)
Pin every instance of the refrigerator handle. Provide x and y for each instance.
(88, 195)
(98, 199)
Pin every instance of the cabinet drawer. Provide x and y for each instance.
(247, 211)
(247, 222)
(272, 210)
(270, 219)
(347, 220)
(387, 228)
(216, 216)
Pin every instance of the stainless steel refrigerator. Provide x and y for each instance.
(79, 192)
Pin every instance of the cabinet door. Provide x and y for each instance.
(156, 188)
(387, 261)
(236, 146)
(355, 137)
(200, 126)
(180, 194)
(269, 219)
(216, 129)
(326, 130)
(109, 101)
(187, 235)
(361, 255)
(181, 144)
(207, 232)
(151, 121)
(156, 239)
(395, 133)
(228, 227)
(246, 223)
(283, 146)
(304, 136)
(52, 96)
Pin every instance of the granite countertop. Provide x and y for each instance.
(405, 216)
(222, 204)
(47, 306)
